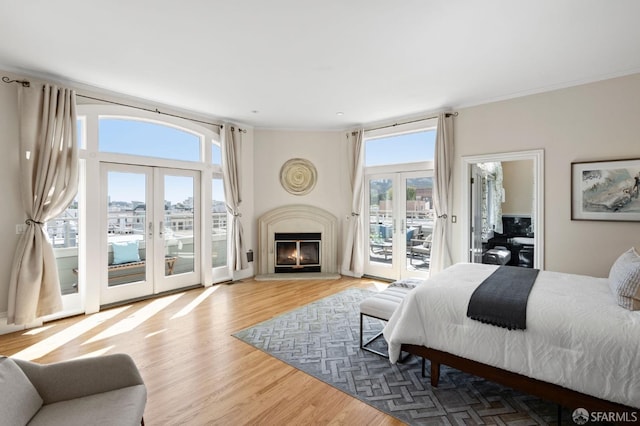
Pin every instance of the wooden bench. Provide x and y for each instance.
(170, 262)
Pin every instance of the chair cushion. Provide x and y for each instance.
(118, 407)
(383, 304)
(19, 399)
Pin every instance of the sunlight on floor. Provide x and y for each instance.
(137, 318)
(51, 343)
(99, 352)
(155, 333)
(38, 330)
(198, 300)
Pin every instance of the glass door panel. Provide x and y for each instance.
(128, 233)
(126, 219)
(418, 223)
(178, 224)
(381, 220)
(177, 242)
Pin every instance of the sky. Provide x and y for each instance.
(152, 139)
(406, 148)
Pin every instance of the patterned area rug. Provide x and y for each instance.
(322, 339)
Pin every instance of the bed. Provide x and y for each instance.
(580, 348)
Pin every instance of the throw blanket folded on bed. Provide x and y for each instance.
(502, 298)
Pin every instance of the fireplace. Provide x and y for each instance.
(297, 252)
(307, 237)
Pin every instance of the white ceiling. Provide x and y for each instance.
(299, 62)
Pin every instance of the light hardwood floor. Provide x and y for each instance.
(195, 371)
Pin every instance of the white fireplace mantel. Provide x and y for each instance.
(297, 218)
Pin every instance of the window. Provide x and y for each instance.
(399, 149)
(218, 224)
(216, 154)
(149, 139)
(399, 196)
(115, 135)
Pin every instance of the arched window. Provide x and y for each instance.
(114, 142)
(134, 136)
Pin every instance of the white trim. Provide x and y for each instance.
(91, 211)
(538, 163)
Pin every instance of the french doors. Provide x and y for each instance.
(400, 224)
(150, 231)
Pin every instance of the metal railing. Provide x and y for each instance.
(63, 232)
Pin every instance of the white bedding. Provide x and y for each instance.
(576, 337)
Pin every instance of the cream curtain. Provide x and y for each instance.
(231, 174)
(48, 183)
(442, 195)
(353, 257)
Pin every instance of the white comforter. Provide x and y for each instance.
(576, 336)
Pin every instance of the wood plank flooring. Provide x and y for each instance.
(195, 371)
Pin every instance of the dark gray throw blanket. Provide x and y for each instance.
(502, 298)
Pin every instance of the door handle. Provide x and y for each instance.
(150, 230)
(161, 230)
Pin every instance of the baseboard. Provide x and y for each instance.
(5, 328)
(298, 276)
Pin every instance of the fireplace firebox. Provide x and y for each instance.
(297, 252)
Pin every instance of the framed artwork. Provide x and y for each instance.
(606, 190)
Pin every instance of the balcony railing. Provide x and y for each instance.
(63, 234)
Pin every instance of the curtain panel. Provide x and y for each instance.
(48, 184)
(232, 190)
(442, 195)
(353, 256)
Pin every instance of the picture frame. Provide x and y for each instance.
(606, 190)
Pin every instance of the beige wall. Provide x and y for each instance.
(597, 121)
(328, 153)
(518, 187)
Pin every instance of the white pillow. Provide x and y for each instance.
(19, 400)
(624, 280)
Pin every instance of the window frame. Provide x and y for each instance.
(89, 201)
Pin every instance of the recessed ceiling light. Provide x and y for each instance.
(255, 111)
(339, 113)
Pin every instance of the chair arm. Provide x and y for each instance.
(67, 380)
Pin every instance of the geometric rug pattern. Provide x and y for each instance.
(322, 339)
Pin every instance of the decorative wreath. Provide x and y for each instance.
(298, 176)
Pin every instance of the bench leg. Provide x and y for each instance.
(363, 344)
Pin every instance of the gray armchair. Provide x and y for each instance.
(104, 390)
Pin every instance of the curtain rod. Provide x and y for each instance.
(26, 83)
(447, 114)
(157, 111)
